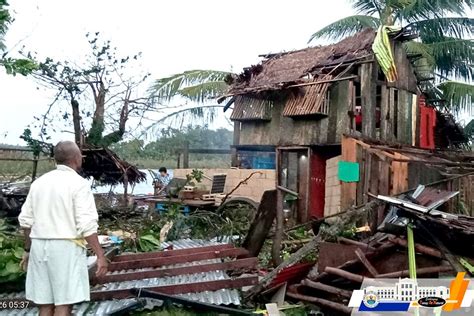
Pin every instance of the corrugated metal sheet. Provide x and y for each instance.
(87, 308)
(221, 297)
(250, 109)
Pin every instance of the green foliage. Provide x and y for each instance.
(458, 95)
(445, 45)
(101, 77)
(11, 252)
(21, 66)
(346, 27)
(469, 130)
(195, 85)
(5, 20)
(171, 139)
(148, 242)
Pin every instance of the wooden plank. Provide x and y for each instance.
(326, 288)
(373, 272)
(368, 76)
(241, 264)
(399, 175)
(361, 189)
(157, 262)
(235, 142)
(344, 104)
(333, 111)
(401, 117)
(385, 114)
(344, 274)
(348, 189)
(170, 253)
(392, 112)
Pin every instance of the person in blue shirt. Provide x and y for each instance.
(161, 181)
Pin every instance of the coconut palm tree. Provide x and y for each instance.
(444, 40)
(200, 87)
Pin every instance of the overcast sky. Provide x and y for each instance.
(173, 35)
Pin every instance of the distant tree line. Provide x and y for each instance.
(171, 140)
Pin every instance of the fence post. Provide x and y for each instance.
(186, 155)
(35, 168)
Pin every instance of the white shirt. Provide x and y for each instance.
(60, 205)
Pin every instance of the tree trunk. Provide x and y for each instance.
(76, 120)
(262, 223)
(94, 136)
(117, 135)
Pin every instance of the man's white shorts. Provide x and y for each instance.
(57, 273)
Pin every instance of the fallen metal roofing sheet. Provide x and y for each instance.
(220, 297)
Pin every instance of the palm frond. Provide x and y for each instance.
(368, 7)
(459, 96)
(426, 64)
(204, 91)
(5, 20)
(165, 89)
(434, 30)
(454, 57)
(426, 9)
(469, 129)
(178, 119)
(346, 27)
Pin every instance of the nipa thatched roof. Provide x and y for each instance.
(281, 70)
(105, 166)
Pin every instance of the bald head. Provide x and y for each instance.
(67, 153)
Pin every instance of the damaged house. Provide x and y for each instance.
(340, 130)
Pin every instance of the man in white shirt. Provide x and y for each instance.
(58, 214)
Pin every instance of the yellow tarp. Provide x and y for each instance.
(383, 52)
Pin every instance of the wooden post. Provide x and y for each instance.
(276, 247)
(186, 155)
(236, 142)
(368, 77)
(35, 168)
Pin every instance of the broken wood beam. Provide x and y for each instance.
(373, 272)
(419, 248)
(279, 187)
(345, 274)
(323, 81)
(262, 223)
(170, 253)
(294, 258)
(355, 243)
(379, 251)
(322, 302)
(156, 262)
(420, 271)
(326, 288)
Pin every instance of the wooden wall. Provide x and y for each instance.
(406, 77)
(286, 131)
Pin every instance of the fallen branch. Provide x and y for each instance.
(294, 258)
(244, 181)
(340, 308)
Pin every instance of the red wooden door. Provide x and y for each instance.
(317, 185)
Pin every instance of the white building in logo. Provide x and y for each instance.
(407, 290)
